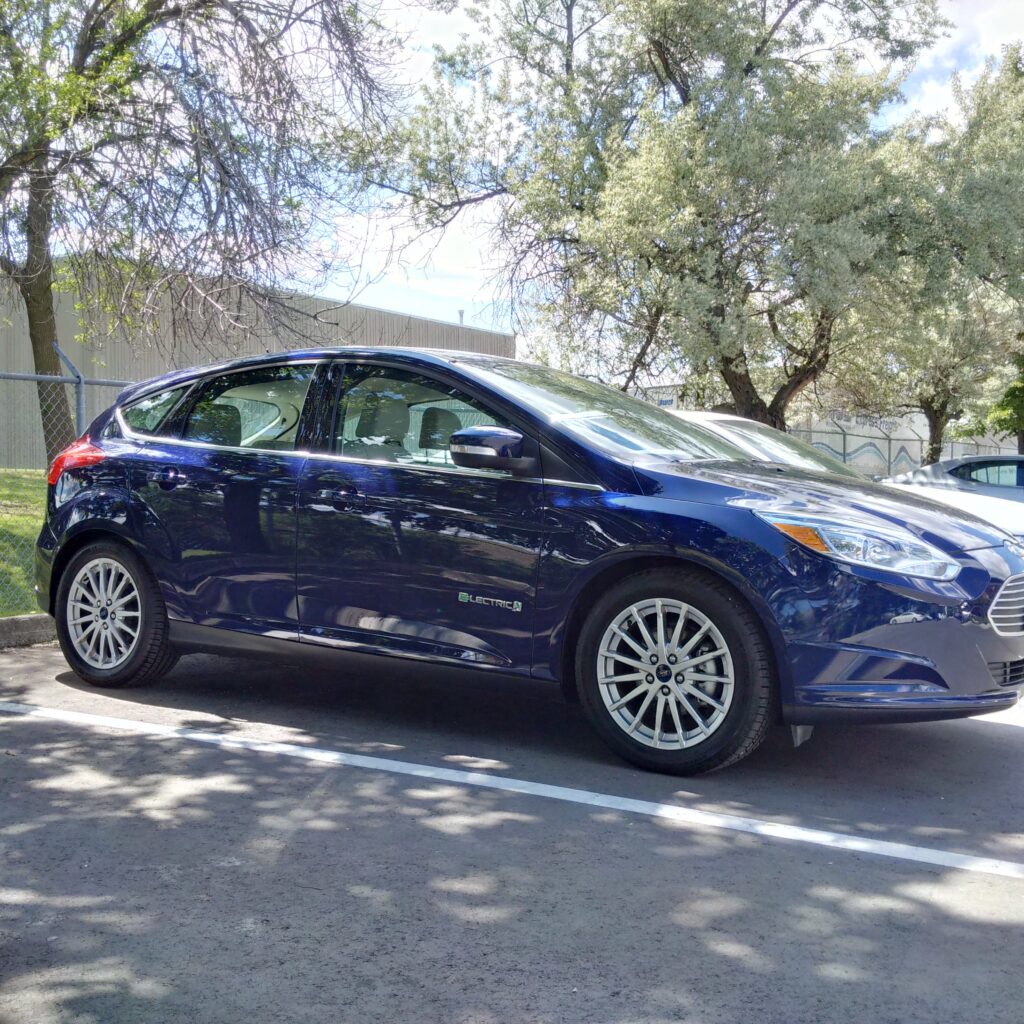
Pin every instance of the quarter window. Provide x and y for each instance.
(257, 408)
(148, 414)
(396, 416)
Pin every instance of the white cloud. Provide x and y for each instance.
(981, 28)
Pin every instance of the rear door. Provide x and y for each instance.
(222, 497)
(403, 550)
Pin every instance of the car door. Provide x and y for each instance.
(401, 549)
(222, 498)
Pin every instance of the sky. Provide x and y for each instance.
(438, 278)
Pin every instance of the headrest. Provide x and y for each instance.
(383, 417)
(216, 423)
(437, 426)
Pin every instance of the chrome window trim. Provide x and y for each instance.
(453, 470)
(306, 454)
(135, 435)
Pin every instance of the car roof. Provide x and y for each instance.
(402, 353)
(967, 460)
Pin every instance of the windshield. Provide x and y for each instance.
(775, 446)
(600, 416)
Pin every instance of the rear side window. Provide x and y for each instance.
(995, 474)
(257, 408)
(148, 414)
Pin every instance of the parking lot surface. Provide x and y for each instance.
(210, 856)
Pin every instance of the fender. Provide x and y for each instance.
(617, 564)
(108, 509)
(595, 540)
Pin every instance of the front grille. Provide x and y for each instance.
(1007, 611)
(1007, 673)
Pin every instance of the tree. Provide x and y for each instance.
(675, 183)
(943, 330)
(182, 154)
(946, 356)
(1008, 415)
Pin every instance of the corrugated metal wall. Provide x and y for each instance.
(122, 356)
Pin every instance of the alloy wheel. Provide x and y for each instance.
(104, 613)
(665, 674)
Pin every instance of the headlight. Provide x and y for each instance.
(891, 550)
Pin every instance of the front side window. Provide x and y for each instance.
(391, 415)
(148, 414)
(257, 408)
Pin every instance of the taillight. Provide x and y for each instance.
(79, 453)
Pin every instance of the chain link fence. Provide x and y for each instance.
(39, 416)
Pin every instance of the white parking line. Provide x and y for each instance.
(606, 801)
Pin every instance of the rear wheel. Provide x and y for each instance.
(675, 673)
(111, 620)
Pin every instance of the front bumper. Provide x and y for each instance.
(882, 705)
(929, 658)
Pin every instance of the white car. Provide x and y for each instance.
(998, 504)
(998, 476)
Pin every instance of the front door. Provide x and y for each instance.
(401, 549)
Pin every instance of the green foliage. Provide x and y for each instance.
(678, 184)
(22, 504)
(1007, 416)
(689, 189)
(942, 332)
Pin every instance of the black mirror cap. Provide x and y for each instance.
(492, 447)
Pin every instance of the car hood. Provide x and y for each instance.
(770, 487)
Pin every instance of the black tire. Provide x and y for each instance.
(740, 728)
(152, 655)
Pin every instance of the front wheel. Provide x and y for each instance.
(111, 621)
(675, 673)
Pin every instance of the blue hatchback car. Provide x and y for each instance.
(480, 511)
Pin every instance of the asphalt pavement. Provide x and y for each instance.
(377, 841)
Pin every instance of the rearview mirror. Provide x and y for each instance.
(491, 447)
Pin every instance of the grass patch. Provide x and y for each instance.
(22, 506)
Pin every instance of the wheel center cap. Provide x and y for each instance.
(103, 613)
(664, 673)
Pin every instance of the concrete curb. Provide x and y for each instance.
(22, 630)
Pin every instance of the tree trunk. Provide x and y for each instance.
(54, 408)
(36, 287)
(749, 403)
(805, 373)
(1020, 442)
(938, 416)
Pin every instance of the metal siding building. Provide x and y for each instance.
(121, 356)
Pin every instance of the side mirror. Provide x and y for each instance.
(485, 447)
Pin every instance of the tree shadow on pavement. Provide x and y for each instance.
(952, 784)
(151, 879)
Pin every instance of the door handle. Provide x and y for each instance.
(168, 478)
(340, 498)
